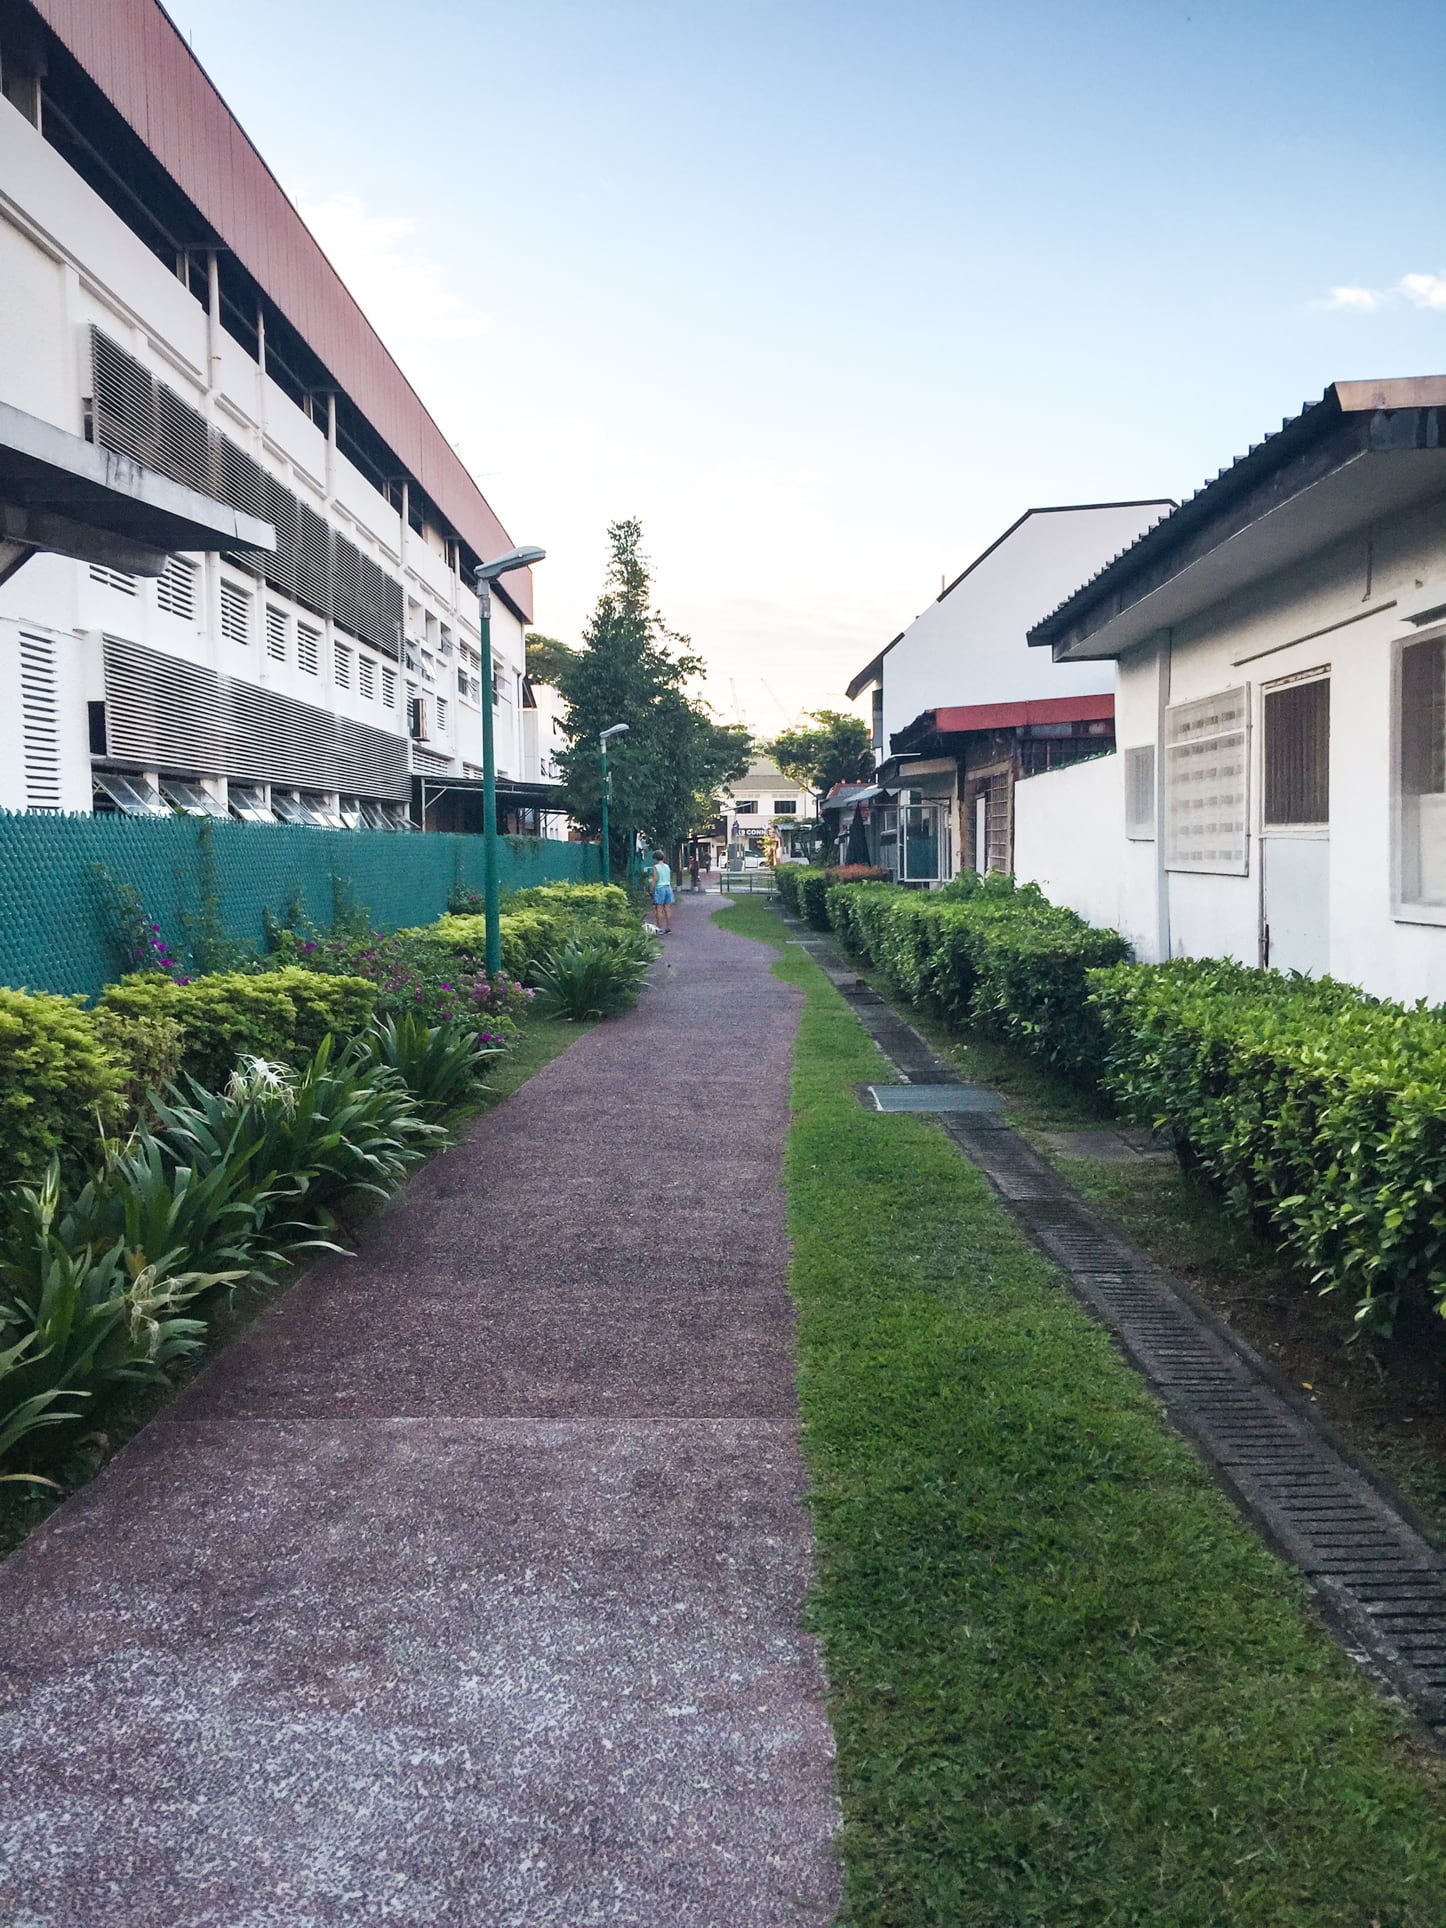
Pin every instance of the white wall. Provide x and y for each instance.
(1069, 837)
(970, 648)
(1335, 611)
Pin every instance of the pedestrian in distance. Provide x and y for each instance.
(693, 873)
(660, 883)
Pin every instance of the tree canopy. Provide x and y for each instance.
(632, 669)
(838, 748)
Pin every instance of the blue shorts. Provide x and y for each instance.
(664, 894)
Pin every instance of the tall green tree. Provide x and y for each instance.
(632, 669)
(838, 748)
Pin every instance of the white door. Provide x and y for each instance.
(1295, 823)
(1297, 903)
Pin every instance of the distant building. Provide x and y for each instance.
(1280, 792)
(164, 304)
(761, 806)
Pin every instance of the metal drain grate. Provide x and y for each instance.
(1377, 1572)
(934, 1097)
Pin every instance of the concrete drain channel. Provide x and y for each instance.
(1378, 1576)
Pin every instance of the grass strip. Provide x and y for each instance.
(1069, 1686)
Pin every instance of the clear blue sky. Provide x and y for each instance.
(828, 294)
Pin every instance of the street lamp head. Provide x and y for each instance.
(618, 729)
(488, 572)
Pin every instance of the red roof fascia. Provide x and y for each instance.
(1010, 716)
(133, 52)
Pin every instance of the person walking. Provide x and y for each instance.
(693, 873)
(660, 882)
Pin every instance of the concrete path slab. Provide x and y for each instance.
(465, 1587)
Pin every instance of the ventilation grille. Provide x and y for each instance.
(275, 633)
(432, 764)
(1140, 792)
(235, 613)
(1206, 762)
(137, 415)
(40, 723)
(161, 711)
(176, 589)
(164, 713)
(116, 579)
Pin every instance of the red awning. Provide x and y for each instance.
(1008, 716)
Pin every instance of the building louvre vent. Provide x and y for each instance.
(275, 633)
(428, 761)
(271, 738)
(161, 710)
(1140, 793)
(116, 579)
(1206, 765)
(235, 613)
(308, 649)
(176, 589)
(39, 723)
(136, 415)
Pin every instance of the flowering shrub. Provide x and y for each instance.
(412, 974)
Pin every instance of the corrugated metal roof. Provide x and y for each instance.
(135, 54)
(1428, 391)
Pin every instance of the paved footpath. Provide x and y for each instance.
(465, 1587)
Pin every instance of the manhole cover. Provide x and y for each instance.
(933, 1097)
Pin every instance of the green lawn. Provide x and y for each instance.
(1069, 1686)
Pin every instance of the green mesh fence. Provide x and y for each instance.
(56, 935)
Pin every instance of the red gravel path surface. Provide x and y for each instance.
(465, 1587)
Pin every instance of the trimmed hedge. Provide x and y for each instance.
(59, 1085)
(1315, 1109)
(281, 1015)
(985, 951)
(807, 891)
(534, 923)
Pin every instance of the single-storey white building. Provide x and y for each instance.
(1279, 793)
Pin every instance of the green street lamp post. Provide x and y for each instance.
(487, 574)
(618, 729)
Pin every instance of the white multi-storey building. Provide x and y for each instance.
(163, 300)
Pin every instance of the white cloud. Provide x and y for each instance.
(1362, 299)
(1424, 290)
(402, 291)
(1421, 290)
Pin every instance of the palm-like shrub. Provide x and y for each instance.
(78, 1317)
(593, 977)
(441, 1065)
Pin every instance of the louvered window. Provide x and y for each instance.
(308, 649)
(442, 714)
(341, 666)
(1140, 793)
(1206, 765)
(275, 633)
(389, 688)
(1421, 726)
(365, 678)
(39, 723)
(235, 613)
(136, 415)
(176, 589)
(1296, 752)
(116, 579)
